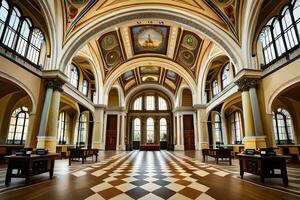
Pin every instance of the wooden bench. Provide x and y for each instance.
(77, 153)
(217, 153)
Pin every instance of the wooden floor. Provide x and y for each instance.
(149, 175)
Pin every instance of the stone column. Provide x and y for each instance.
(254, 137)
(47, 137)
(202, 131)
(122, 134)
(97, 141)
(178, 145)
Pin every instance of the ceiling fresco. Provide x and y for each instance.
(150, 75)
(223, 13)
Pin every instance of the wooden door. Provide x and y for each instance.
(188, 132)
(111, 132)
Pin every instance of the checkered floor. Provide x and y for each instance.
(150, 175)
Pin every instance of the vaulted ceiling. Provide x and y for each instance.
(225, 14)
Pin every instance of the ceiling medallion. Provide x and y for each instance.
(109, 42)
(190, 42)
(112, 57)
(187, 57)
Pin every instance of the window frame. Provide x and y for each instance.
(15, 126)
(288, 140)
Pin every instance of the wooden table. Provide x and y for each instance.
(27, 166)
(82, 153)
(217, 153)
(264, 166)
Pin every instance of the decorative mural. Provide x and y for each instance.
(229, 11)
(150, 39)
(111, 50)
(188, 49)
(75, 10)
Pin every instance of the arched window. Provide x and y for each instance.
(74, 78)
(150, 103)
(215, 87)
(3, 15)
(12, 28)
(163, 129)
(225, 76)
(283, 127)
(23, 37)
(18, 126)
(137, 129)
(34, 49)
(150, 130)
(85, 87)
(278, 37)
(137, 105)
(162, 104)
(62, 128)
(218, 130)
(296, 13)
(289, 29)
(236, 128)
(82, 129)
(267, 44)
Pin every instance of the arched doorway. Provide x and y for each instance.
(150, 120)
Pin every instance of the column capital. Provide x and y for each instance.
(245, 83)
(247, 78)
(55, 83)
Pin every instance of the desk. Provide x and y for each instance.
(82, 153)
(264, 166)
(217, 153)
(28, 166)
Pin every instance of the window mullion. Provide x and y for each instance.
(273, 42)
(16, 125)
(15, 43)
(294, 24)
(28, 43)
(23, 128)
(276, 121)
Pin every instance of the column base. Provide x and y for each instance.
(98, 145)
(47, 142)
(121, 147)
(179, 147)
(255, 142)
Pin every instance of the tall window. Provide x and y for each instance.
(82, 129)
(150, 130)
(150, 103)
(215, 87)
(218, 129)
(280, 34)
(137, 129)
(137, 105)
(23, 37)
(283, 128)
(85, 87)
(236, 128)
(18, 33)
(10, 35)
(163, 129)
(18, 126)
(35, 45)
(267, 44)
(288, 29)
(162, 104)
(74, 77)
(225, 76)
(62, 128)
(3, 15)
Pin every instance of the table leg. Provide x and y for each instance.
(51, 169)
(284, 176)
(241, 169)
(8, 175)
